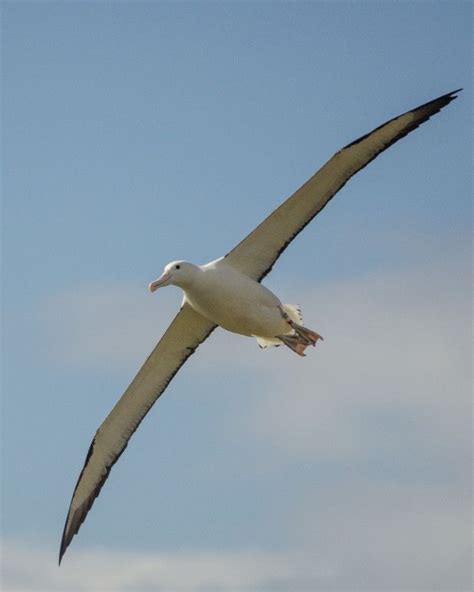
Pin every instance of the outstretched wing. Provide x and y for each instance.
(180, 340)
(257, 253)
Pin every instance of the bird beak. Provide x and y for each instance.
(161, 281)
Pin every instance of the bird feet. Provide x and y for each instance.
(301, 338)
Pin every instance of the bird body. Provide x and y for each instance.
(228, 292)
(228, 298)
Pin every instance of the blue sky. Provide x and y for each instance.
(138, 133)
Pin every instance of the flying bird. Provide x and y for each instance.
(228, 293)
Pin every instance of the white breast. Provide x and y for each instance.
(234, 301)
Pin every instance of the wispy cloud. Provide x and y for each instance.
(395, 361)
(386, 395)
(374, 537)
(34, 569)
(396, 357)
(97, 325)
(384, 535)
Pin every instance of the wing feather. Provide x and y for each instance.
(180, 340)
(256, 254)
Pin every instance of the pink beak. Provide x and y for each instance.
(161, 281)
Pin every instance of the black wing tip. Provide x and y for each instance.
(444, 99)
(68, 534)
(424, 112)
(62, 550)
(434, 106)
(65, 542)
(75, 519)
(453, 92)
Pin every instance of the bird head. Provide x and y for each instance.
(176, 273)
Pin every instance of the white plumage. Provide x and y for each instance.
(229, 298)
(227, 292)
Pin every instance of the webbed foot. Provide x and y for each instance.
(301, 338)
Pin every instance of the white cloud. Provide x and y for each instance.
(397, 346)
(372, 537)
(97, 326)
(33, 569)
(391, 382)
(389, 536)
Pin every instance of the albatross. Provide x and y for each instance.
(228, 293)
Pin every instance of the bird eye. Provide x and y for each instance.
(177, 266)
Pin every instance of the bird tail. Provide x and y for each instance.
(294, 312)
